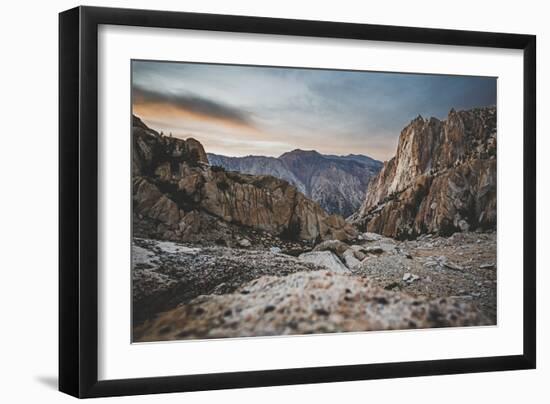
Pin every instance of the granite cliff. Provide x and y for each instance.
(177, 195)
(441, 180)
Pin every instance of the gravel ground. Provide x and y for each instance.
(462, 266)
(170, 276)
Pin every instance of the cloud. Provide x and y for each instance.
(238, 110)
(189, 104)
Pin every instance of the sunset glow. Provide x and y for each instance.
(243, 110)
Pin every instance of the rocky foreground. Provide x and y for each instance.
(373, 283)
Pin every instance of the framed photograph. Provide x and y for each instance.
(251, 201)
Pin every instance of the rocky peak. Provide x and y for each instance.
(442, 178)
(137, 123)
(178, 196)
(300, 153)
(153, 150)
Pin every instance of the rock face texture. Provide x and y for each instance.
(336, 183)
(258, 165)
(441, 180)
(306, 303)
(178, 196)
(166, 274)
(430, 272)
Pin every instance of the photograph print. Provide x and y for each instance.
(272, 201)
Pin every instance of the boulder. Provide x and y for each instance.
(306, 303)
(410, 278)
(336, 246)
(244, 242)
(359, 252)
(351, 260)
(324, 259)
(369, 236)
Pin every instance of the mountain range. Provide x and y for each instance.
(336, 183)
(442, 180)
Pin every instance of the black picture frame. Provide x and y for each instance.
(78, 201)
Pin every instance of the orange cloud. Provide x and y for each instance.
(164, 110)
(188, 106)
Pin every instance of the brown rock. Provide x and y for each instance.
(336, 246)
(171, 176)
(194, 146)
(441, 180)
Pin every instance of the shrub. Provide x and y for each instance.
(217, 169)
(223, 185)
(292, 232)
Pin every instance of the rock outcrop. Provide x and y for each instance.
(324, 259)
(168, 274)
(177, 195)
(306, 303)
(336, 183)
(441, 180)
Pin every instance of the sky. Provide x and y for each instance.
(253, 110)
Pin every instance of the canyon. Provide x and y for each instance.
(311, 243)
(337, 183)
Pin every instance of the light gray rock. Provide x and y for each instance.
(306, 303)
(275, 250)
(453, 266)
(359, 252)
(244, 242)
(162, 267)
(410, 278)
(350, 259)
(325, 259)
(430, 263)
(369, 236)
(176, 248)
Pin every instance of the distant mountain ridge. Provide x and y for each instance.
(337, 183)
